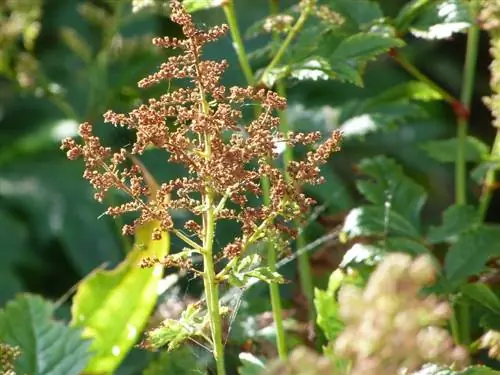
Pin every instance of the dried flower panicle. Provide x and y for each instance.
(390, 327)
(201, 128)
(8, 355)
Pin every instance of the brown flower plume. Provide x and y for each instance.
(200, 128)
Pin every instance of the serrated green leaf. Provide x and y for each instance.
(251, 365)
(468, 256)
(439, 19)
(48, 347)
(456, 220)
(377, 221)
(408, 13)
(445, 151)
(347, 72)
(391, 189)
(327, 308)
(404, 245)
(113, 306)
(182, 361)
(363, 47)
(482, 295)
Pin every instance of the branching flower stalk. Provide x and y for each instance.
(200, 127)
(274, 291)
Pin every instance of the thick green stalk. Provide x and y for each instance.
(305, 273)
(463, 313)
(274, 291)
(238, 45)
(209, 279)
(466, 97)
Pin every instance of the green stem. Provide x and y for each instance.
(305, 272)
(271, 251)
(286, 43)
(463, 311)
(238, 45)
(465, 97)
(415, 72)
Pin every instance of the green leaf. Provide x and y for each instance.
(48, 347)
(267, 275)
(327, 307)
(77, 44)
(391, 189)
(363, 47)
(468, 256)
(405, 245)
(359, 13)
(377, 221)
(445, 151)
(251, 365)
(456, 220)
(197, 5)
(435, 19)
(482, 295)
(182, 361)
(113, 306)
(173, 332)
(412, 90)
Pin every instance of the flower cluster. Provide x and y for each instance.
(201, 127)
(389, 326)
(8, 354)
(491, 341)
(302, 361)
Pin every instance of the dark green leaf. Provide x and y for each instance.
(482, 295)
(445, 151)
(405, 245)
(456, 220)
(391, 189)
(364, 46)
(468, 256)
(377, 221)
(48, 347)
(182, 361)
(435, 19)
(360, 13)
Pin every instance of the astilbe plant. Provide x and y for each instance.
(201, 128)
(390, 327)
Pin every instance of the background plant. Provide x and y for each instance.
(394, 203)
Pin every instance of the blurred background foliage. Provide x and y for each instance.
(65, 62)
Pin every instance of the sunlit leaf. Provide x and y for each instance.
(250, 364)
(113, 306)
(197, 5)
(436, 19)
(48, 347)
(412, 90)
(377, 220)
(327, 308)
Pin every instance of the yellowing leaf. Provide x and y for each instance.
(112, 307)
